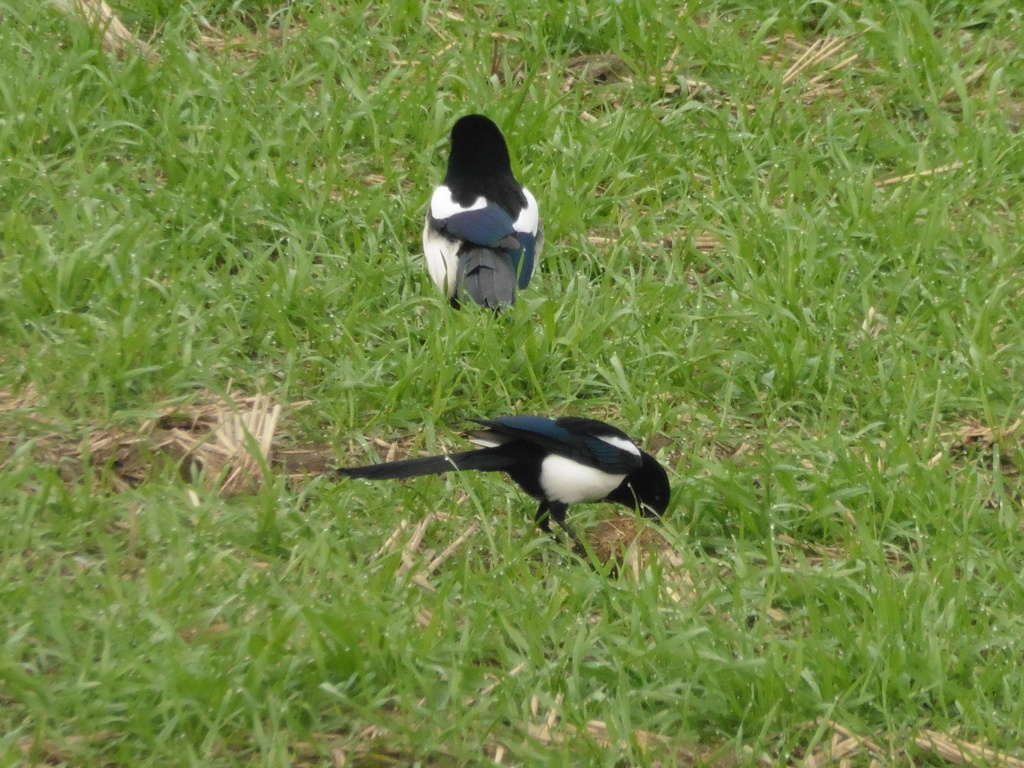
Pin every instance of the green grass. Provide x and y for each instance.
(247, 215)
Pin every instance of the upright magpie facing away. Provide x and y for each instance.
(558, 461)
(483, 233)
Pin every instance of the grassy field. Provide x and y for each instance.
(784, 252)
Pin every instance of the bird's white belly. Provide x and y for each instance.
(569, 481)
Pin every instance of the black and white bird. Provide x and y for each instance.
(483, 234)
(557, 461)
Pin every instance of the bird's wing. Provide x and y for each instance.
(530, 234)
(582, 440)
(524, 259)
(489, 226)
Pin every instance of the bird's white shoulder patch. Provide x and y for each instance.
(529, 217)
(485, 442)
(621, 443)
(569, 482)
(442, 259)
(442, 205)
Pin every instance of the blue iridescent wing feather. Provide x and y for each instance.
(575, 444)
(489, 226)
(522, 260)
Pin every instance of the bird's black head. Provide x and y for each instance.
(478, 150)
(646, 488)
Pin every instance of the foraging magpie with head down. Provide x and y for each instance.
(483, 235)
(557, 461)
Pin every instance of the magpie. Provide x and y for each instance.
(557, 461)
(483, 235)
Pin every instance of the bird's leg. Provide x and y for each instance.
(552, 509)
(558, 513)
(542, 517)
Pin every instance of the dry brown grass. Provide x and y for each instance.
(703, 241)
(840, 746)
(846, 747)
(376, 745)
(973, 439)
(804, 58)
(228, 443)
(101, 17)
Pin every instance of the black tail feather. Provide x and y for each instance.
(485, 460)
(488, 277)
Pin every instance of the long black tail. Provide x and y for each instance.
(487, 276)
(484, 460)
